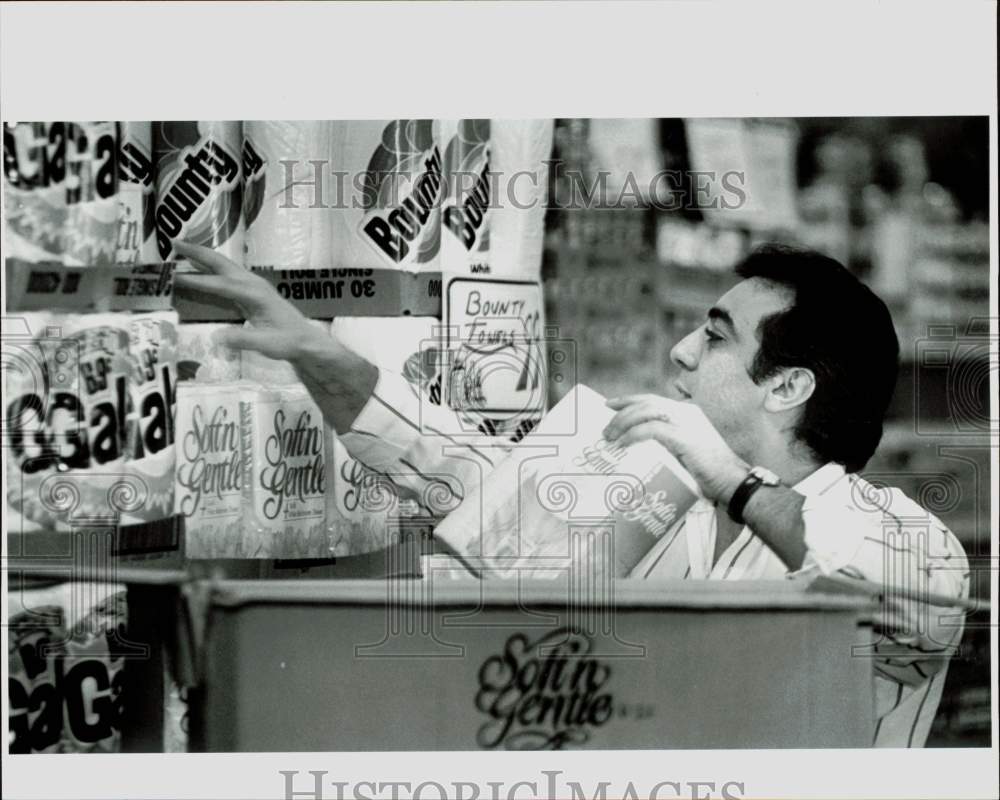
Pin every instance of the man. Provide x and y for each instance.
(779, 401)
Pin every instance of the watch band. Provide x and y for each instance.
(751, 483)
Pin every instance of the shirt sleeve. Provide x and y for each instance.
(886, 538)
(434, 453)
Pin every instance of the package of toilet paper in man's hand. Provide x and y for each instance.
(567, 501)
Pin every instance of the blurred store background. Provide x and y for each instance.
(647, 219)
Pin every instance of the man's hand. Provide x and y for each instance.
(278, 326)
(339, 380)
(686, 432)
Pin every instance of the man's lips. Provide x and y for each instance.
(682, 392)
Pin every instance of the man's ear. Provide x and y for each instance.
(789, 389)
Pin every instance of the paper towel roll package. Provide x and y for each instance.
(209, 476)
(520, 150)
(389, 216)
(465, 211)
(91, 194)
(288, 186)
(65, 673)
(150, 432)
(136, 194)
(568, 504)
(34, 186)
(65, 404)
(199, 186)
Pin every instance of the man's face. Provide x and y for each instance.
(715, 359)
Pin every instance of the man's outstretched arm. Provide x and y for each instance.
(375, 413)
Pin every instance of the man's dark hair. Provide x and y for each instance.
(838, 328)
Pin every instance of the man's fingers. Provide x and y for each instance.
(631, 416)
(237, 291)
(646, 431)
(207, 260)
(628, 400)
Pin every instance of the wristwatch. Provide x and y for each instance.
(757, 477)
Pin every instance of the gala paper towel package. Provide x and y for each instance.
(286, 167)
(149, 426)
(136, 198)
(570, 505)
(91, 194)
(389, 212)
(199, 186)
(66, 669)
(65, 402)
(34, 166)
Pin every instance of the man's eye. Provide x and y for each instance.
(712, 337)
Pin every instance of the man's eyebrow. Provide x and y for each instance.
(723, 317)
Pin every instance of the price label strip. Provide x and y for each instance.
(327, 293)
(54, 287)
(319, 294)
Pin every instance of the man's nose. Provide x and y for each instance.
(686, 352)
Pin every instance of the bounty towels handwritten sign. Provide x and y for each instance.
(565, 500)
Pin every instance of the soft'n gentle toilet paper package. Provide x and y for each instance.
(136, 194)
(209, 476)
(619, 501)
(284, 444)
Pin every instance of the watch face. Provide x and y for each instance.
(767, 477)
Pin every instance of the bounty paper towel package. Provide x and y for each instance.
(34, 166)
(91, 194)
(520, 150)
(201, 358)
(199, 186)
(465, 211)
(150, 433)
(136, 198)
(284, 444)
(389, 216)
(66, 400)
(570, 505)
(209, 476)
(286, 172)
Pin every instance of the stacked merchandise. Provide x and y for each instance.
(601, 226)
(129, 419)
(89, 409)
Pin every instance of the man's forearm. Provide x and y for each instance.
(774, 513)
(340, 381)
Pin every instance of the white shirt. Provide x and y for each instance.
(852, 529)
